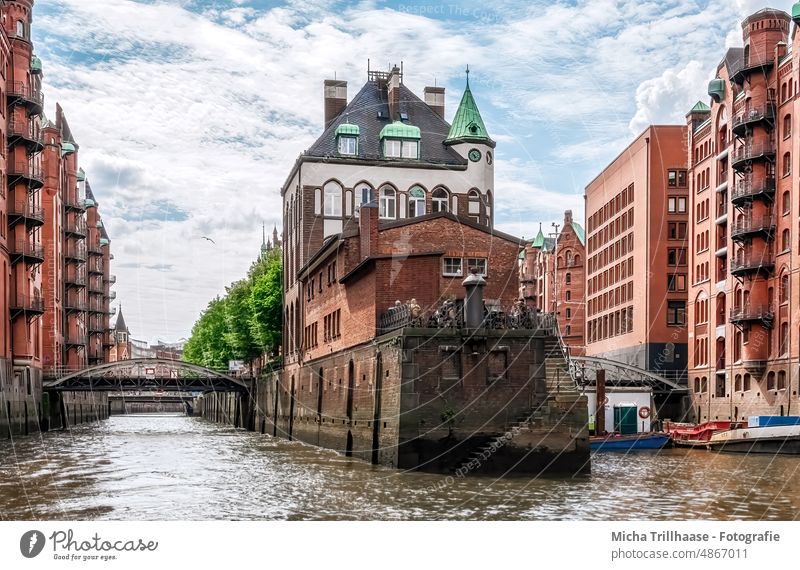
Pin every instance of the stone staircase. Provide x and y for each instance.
(557, 373)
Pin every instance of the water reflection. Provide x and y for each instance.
(174, 467)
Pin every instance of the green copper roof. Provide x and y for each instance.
(104, 242)
(796, 13)
(468, 125)
(521, 254)
(538, 241)
(400, 130)
(579, 232)
(347, 129)
(81, 175)
(716, 89)
(99, 224)
(36, 65)
(89, 203)
(67, 148)
(700, 107)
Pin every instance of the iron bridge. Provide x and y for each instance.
(143, 375)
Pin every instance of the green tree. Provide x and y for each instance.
(266, 302)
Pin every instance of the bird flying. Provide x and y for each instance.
(209, 239)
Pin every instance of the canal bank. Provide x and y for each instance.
(163, 467)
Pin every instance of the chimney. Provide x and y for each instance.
(434, 98)
(567, 217)
(393, 92)
(368, 229)
(780, 50)
(473, 304)
(335, 92)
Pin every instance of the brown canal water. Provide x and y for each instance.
(151, 467)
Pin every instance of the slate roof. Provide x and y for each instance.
(363, 111)
(733, 60)
(121, 326)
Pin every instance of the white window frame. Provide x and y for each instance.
(392, 148)
(451, 273)
(410, 149)
(348, 145)
(416, 204)
(333, 200)
(440, 203)
(385, 201)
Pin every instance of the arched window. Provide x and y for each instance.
(474, 209)
(364, 195)
(416, 202)
(784, 339)
(746, 384)
(781, 380)
(771, 381)
(784, 288)
(737, 385)
(388, 203)
(787, 164)
(787, 126)
(333, 199)
(439, 200)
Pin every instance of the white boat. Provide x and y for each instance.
(769, 439)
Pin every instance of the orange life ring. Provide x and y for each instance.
(644, 412)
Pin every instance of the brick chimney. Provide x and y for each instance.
(368, 229)
(335, 93)
(393, 92)
(567, 217)
(434, 98)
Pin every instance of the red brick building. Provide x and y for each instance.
(45, 317)
(552, 279)
(384, 217)
(637, 263)
(743, 153)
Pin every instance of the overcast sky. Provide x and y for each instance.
(190, 113)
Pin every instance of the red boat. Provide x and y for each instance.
(691, 435)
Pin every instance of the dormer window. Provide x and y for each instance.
(400, 140)
(347, 139)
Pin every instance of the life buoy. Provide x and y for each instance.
(644, 412)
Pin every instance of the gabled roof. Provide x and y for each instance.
(700, 107)
(468, 124)
(538, 241)
(363, 111)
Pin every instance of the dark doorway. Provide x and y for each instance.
(25, 431)
(291, 410)
(349, 451)
(376, 418)
(350, 388)
(275, 409)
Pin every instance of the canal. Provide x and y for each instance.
(166, 467)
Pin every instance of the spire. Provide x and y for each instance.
(120, 326)
(538, 241)
(468, 125)
(275, 235)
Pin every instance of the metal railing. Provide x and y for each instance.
(75, 340)
(20, 90)
(753, 224)
(27, 303)
(755, 114)
(74, 227)
(751, 151)
(26, 170)
(752, 313)
(749, 187)
(78, 279)
(74, 304)
(75, 252)
(25, 130)
(27, 249)
(27, 212)
(112, 279)
(749, 262)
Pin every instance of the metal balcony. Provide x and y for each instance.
(75, 340)
(94, 328)
(75, 228)
(95, 249)
(754, 116)
(111, 295)
(22, 132)
(749, 314)
(26, 305)
(750, 153)
(31, 216)
(745, 265)
(96, 266)
(751, 65)
(95, 307)
(71, 304)
(27, 253)
(18, 92)
(751, 188)
(75, 281)
(112, 279)
(74, 253)
(75, 205)
(96, 288)
(108, 341)
(753, 226)
(26, 173)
